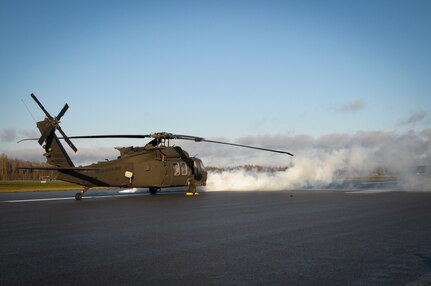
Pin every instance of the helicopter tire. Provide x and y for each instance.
(153, 191)
(78, 196)
(192, 188)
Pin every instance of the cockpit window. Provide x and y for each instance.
(196, 166)
(199, 166)
(202, 165)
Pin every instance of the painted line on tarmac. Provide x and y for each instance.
(36, 200)
(67, 198)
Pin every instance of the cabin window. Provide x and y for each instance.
(183, 166)
(176, 168)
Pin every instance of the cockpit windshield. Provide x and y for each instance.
(199, 166)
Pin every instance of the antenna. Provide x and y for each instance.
(28, 110)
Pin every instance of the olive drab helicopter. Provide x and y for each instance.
(154, 166)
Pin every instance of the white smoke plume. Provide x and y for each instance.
(321, 161)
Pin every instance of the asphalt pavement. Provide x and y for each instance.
(217, 238)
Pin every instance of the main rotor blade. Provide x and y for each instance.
(161, 135)
(246, 146)
(63, 111)
(67, 139)
(108, 136)
(188, 137)
(200, 139)
(41, 106)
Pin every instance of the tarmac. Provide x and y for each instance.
(341, 237)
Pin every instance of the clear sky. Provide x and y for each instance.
(216, 69)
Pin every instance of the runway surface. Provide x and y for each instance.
(220, 238)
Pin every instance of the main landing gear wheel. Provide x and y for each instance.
(191, 190)
(153, 191)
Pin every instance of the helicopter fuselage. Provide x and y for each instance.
(158, 167)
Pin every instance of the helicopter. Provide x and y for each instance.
(156, 165)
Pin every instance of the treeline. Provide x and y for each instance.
(9, 171)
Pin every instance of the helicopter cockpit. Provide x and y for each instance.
(199, 169)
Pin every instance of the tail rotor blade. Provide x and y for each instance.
(63, 111)
(49, 141)
(67, 139)
(41, 106)
(45, 135)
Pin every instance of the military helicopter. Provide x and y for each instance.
(154, 166)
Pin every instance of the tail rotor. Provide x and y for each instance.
(53, 124)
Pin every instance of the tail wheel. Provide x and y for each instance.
(79, 195)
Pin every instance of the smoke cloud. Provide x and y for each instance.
(319, 162)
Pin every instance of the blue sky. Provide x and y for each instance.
(216, 69)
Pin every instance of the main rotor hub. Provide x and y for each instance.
(162, 135)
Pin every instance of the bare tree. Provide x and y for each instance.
(9, 171)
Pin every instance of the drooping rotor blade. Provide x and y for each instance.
(200, 139)
(27, 139)
(45, 135)
(63, 111)
(243, 146)
(188, 137)
(67, 139)
(41, 106)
